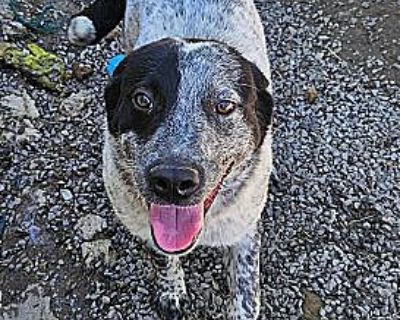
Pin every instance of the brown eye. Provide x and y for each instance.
(225, 107)
(142, 100)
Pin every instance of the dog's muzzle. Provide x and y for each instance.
(174, 184)
(175, 228)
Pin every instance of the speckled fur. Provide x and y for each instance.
(234, 22)
(188, 133)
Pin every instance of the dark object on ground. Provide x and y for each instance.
(43, 22)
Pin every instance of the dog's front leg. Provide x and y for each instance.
(172, 287)
(244, 265)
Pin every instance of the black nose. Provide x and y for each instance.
(174, 183)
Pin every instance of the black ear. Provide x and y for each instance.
(264, 103)
(112, 95)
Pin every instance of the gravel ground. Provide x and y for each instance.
(331, 245)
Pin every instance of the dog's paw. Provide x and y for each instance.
(81, 31)
(169, 307)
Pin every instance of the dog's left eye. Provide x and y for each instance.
(225, 107)
(142, 100)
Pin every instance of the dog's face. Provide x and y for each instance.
(182, 116)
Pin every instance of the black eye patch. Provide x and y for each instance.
(154, 67)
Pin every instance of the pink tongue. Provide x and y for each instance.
(174, 227)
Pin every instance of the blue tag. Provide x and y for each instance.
(114, 63)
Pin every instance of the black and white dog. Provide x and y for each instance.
(187, 154)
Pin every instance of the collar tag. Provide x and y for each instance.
(113, 64)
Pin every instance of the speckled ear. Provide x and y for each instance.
(96, 21)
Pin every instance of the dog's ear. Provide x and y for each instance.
(264, 103)
(112, 95)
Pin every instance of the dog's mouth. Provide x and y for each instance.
(176, 229)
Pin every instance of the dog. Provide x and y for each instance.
(187, 154)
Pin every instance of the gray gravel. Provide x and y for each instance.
(331, 245)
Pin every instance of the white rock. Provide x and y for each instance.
(35, 307)
(94, 249)
(66, 194)
(13, 28)
(20, 105)
(75, 103)
(89, 225)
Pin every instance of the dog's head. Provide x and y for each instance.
(182, 116)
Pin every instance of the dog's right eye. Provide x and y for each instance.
(225, 107)
(142, 100)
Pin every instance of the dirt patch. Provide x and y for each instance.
(365, 33)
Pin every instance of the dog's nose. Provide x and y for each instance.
(174, 183)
